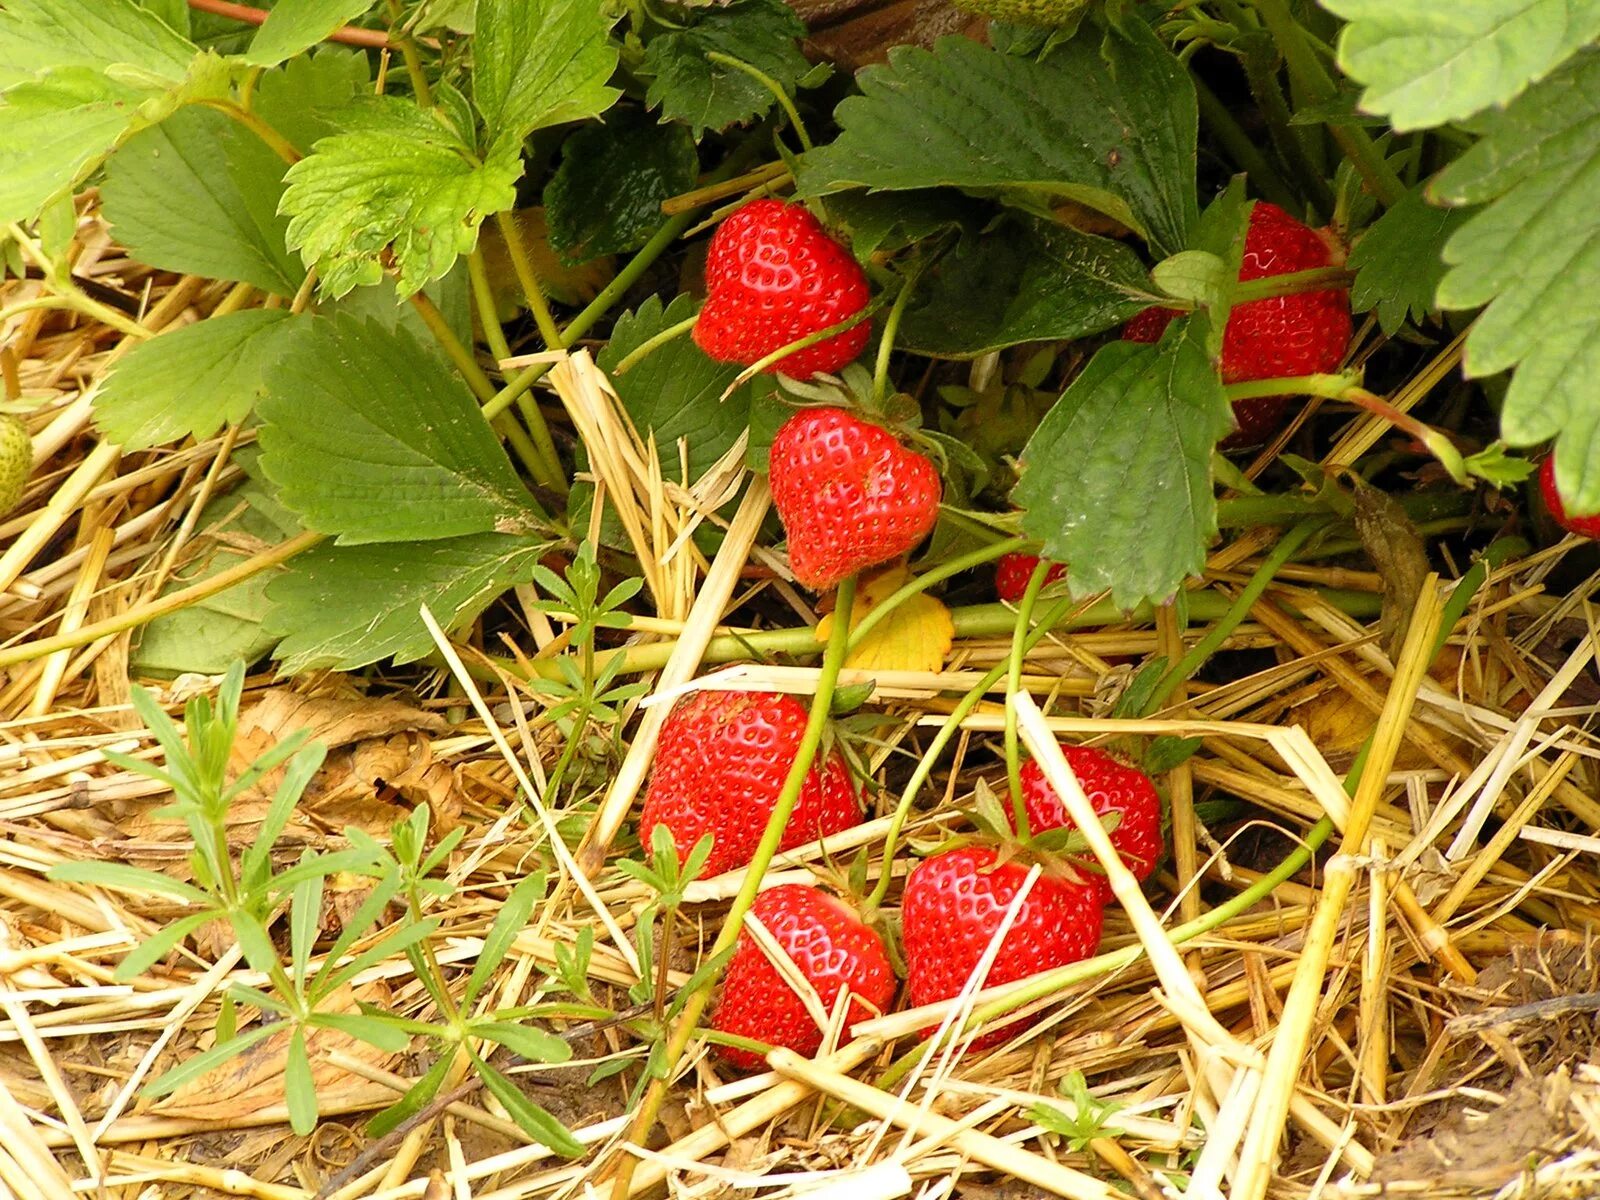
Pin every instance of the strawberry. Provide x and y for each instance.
(1112, 787)
(16, 461)
(773, 276)
(849, 494)
(719, 766)
(1588, 527)
(1303, 334)
(953, 904)
(1012, 572)
(832, 949)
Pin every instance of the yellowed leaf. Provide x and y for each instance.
(915, 636)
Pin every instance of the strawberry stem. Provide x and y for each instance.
(1314, 279)
(799, 344)
(1191, 662)
(1344, 387)
(1036, 582)
(914, 587)
(1053, 616)
(694, 1007)
(771, 84)
(891, 326)
(651, 344)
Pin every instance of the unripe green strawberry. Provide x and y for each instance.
(16, 461)
(1027, 12)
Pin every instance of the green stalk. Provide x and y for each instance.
(689, 1018)
(1292, 283)
(1245, 153)
(771, 84)
(274, 140)
(1202, 650)
(1307, 71)
(596, 308)
(1261, 69)
(528, 279)
(483, 300)
(1053, 616)
(1030, 595)
(480, 383)
(976, 621)
(408, 51)
(891, 327)
(914, 587)
(651, 344)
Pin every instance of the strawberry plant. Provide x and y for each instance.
(1044, 187)
(535, 347)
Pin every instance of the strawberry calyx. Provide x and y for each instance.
(1062, 852)
(852, 390)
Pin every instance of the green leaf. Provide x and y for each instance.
(1195, 275)
(526, 1042)
(674, 393)
(530, 1118)
(1111, 125)
(539, 63)
(47, 35)
(1026, 281)
(193, 1068)
(123, 878)
(398, 942)
(1116, 481)
(1533, 256)
(374, 1031)
(199, 195)
(343, 607)
(414, 1101)
(508, 922)
(156, 947)
(190, 381)
(207, 636)
(296, 25)
(371, 437)
(890, 221)
(305, 98)
(52, 132)
(401, 180)
(1399, 261)
(606, 196)
(703, 94)
(1426, 63)
(299, 1088)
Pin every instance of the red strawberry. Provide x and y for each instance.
(719, 767)
(1303, 334)
(1012, 572)
(1111, 786)
(954, 903)
(833, 950)
(1588, 527)
(849, 494)
(774, 276)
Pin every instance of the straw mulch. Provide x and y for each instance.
(1413, 1015)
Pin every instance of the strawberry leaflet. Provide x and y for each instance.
(1116, 481)
(1533, 256)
